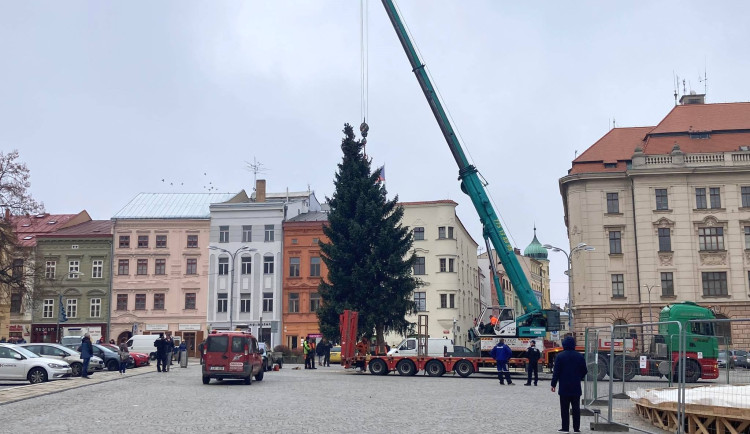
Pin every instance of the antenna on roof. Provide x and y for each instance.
(704, 80)
(684, 89)
(676, 85)
(256, 167)
(614, 123)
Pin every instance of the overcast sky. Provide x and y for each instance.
(105, 99)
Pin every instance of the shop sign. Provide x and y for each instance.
(188, 327)
(157, 327)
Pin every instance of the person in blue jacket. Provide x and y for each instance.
(87, 351)
(569, 371)
(502, 353)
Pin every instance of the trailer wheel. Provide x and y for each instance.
(406, 368)
(434, 368)
(464, 368)
(692, 371)
(602, 367)
(630, 368)
(378, 367)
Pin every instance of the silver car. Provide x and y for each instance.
(56, 351)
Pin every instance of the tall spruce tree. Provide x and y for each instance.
(369, 269)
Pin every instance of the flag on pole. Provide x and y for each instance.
(381, 173)
(63, 316)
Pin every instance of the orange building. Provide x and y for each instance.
(302, 271)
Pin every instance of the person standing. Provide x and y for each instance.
(502, 353)
(306, 352)
(570, 369)
(327, 354)
(169, 350)
(200, 349)
(183, 347)
(124, 356)
(320, 351)
(161, 353)
(533, 355)
(87, 351)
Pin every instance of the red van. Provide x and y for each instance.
(232, 355)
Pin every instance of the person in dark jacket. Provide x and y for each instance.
(502, 353)
(161, 353)
(569, 371)
(87, 351)
(533, 355)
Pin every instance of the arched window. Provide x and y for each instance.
(620, 332)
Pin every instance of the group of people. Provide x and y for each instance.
(12, 340)
(322, 349)
(164, 349)
(568, 372)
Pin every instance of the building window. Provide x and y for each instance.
(314, 302)
(443, 266)
(244, 303)
(223, 234)
(269, 233)
(620, 331)
(95, 308)
(451, 263)
(447, 301)
(160, 266)
(74, 269)
(48, 308)
(450, 232)
(268, 302)
(613, 203)
(420, 300)
(293, 267)
(190, 300)
(662, 200)
(615, 242)
(294, 241)
(315, 266)
(49, 269)
(97, 268)
(745, 196)
(618, 286)
(140, 302)
(141, 267)
(17, 270)
(247, 233)
(161, 241)
(221, 303)
(711, 238)
(715, 195)
(714, 283)
(192, 266)
(419, 265)
(441, 232)
(747, 237)
(15, 302)
(142, 241)
(418, 233)
(665, 240)
(247, 264)
(72, 308)
(315, 241)
(223, 266)
(158, 301)
(268, 265)
(293, 302)
(124, 241)
(667, 285)
(192, 241)
(122, 301)
(700, 198)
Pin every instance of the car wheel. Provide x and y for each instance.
(434, 368)
(406, 368)
(112, 365)
(37, 375)
(249, 379)
(259, 376)
(464, 368)
(206, 380)
(75, 369)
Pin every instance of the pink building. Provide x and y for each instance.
(160, 265)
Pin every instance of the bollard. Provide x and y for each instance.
(183, 359)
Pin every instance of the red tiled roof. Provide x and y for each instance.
(716, 142)
(706, 117)
(617, 146)
(27, 228)
(93, 228)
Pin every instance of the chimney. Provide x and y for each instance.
(693, 98)
(260, 190)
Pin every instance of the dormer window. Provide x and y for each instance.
(28, 237)
(703, 135)
(52, 222)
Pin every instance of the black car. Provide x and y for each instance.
(111, 358)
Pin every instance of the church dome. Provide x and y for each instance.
(535, 249)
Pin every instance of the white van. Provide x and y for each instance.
(145, 344)
(436, 347)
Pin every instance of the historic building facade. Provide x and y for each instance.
(667, 209)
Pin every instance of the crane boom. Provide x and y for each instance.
(471, 184)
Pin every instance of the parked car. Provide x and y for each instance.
(136, 359)
(736, 358)
(232, 355)
(18, 363)
(335, 355)
(57, 351)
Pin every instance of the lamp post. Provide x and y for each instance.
(569, 272)
(650, 318)
(231, 278)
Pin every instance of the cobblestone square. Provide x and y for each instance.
(328, 399)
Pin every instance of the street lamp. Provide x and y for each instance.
(580, 247)
(231, 279)
(650, 318)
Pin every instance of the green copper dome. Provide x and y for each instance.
(535, 249)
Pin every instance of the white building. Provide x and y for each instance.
(245, 275)
(447, 264)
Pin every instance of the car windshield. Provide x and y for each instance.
(722, 353)
(25, 352)
(105, 349)
(741, 353)
(336, 349)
